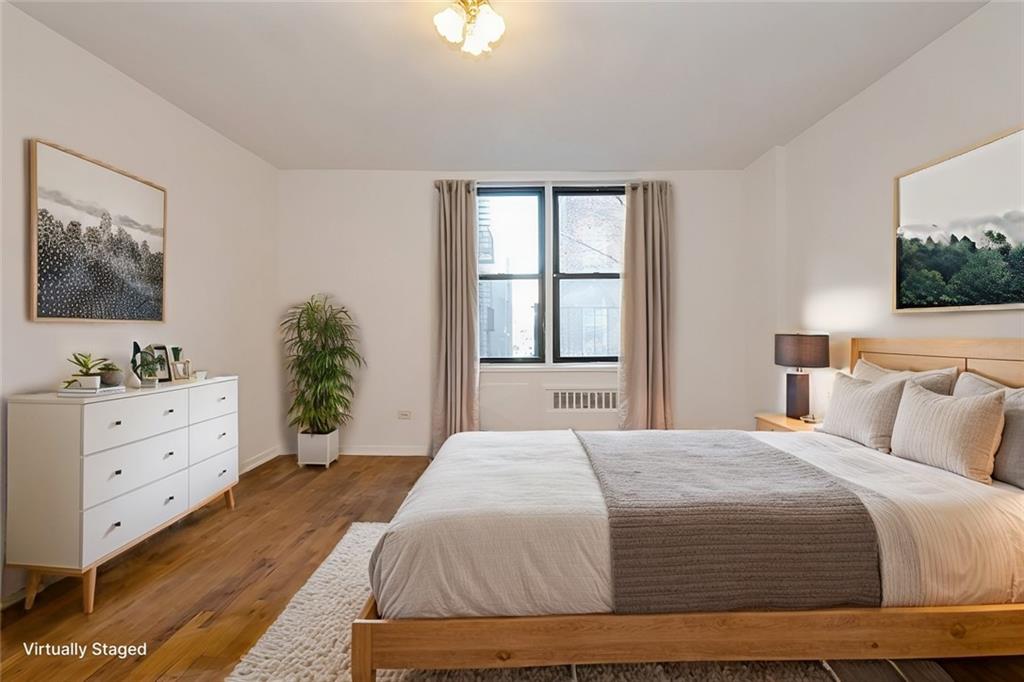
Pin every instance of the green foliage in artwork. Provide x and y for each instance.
(322, 352)
(961, 272)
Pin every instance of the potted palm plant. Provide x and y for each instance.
(321, 349)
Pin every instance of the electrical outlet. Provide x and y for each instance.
(405, 414)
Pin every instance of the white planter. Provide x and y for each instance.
(91, 381)
(315, 448)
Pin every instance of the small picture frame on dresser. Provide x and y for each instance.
(165, 372)
(180, 371)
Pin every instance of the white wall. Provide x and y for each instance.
(963, 88)
(367, 238)
(221, 226)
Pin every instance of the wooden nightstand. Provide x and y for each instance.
(767, 421)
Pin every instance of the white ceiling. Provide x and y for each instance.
(571, 86)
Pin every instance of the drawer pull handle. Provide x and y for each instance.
(223, 397)
(170, 411)
(222, 435)
(117, 524)
(117, 423)
(117, 472)
(222, 472)
(170, 454)
(171, 498)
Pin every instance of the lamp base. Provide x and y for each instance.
(798, 394)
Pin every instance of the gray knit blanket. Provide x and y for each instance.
(720, 521)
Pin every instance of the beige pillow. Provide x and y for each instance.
(938, 380)
(1009, 464)
(863, 411)
(956, 434)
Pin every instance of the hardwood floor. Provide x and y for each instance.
(200, 593)
(203, 591)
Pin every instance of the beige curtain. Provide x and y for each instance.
(456, 404)
(645, 389)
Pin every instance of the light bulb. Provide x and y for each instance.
(475, 44)
(490, 23)
(450, 23)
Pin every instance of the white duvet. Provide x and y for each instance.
(514, 524)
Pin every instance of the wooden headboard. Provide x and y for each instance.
(998, 359)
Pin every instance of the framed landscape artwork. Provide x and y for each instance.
(97, 240)
(960, 230)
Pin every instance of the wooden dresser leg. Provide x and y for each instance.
(229, 498)
(88, 590)
(31, 588)
(362, 653)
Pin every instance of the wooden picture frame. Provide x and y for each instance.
(81, 203)
(900, 305)
(840, 633)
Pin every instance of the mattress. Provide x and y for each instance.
(514, 524)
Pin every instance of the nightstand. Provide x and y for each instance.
(768, 421)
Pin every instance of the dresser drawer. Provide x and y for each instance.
(105, 475)
(210, 477)
(212, 400)
(116, 422)
(211, 437)
(111, 525)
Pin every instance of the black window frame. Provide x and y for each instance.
(557, 276)
(541, 276)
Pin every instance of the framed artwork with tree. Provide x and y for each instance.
(97, 240)
(960, 230)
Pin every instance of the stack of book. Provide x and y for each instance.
(86, 392)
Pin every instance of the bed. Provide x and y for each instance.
(531, 583)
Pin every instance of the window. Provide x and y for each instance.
(510, 248)
(584, 235)
(588, 242)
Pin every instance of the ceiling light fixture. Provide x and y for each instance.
(474, 23)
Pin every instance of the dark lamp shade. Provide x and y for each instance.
(801, 350)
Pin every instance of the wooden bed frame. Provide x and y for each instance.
(846, 633)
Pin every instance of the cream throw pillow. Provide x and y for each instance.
(863, 411)
(956, 434)
(1009, 465)
(938, 380)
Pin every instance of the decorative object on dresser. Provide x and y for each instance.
(87, 375)
(320, 343)
(160, 350)
(111, 374)
(146, 364)
(800, 351)
(959, 240)
(89, 477)
(89, 217)
(771, 421)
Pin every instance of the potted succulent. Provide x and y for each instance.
(87, 375)
(146, 364)
(321, 348)
(111, 374)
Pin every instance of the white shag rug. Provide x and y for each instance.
(310, 640)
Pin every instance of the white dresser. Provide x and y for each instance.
(87, 478)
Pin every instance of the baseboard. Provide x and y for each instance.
(386, 450)
(251, 463)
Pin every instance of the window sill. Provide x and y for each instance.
(512, 367)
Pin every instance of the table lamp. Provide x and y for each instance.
(800, 351)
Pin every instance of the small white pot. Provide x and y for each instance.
(317, 448)
(91, 381)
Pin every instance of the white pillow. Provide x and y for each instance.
(863, 411)
(956, 434)
(1009, 464)
(938, 380)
